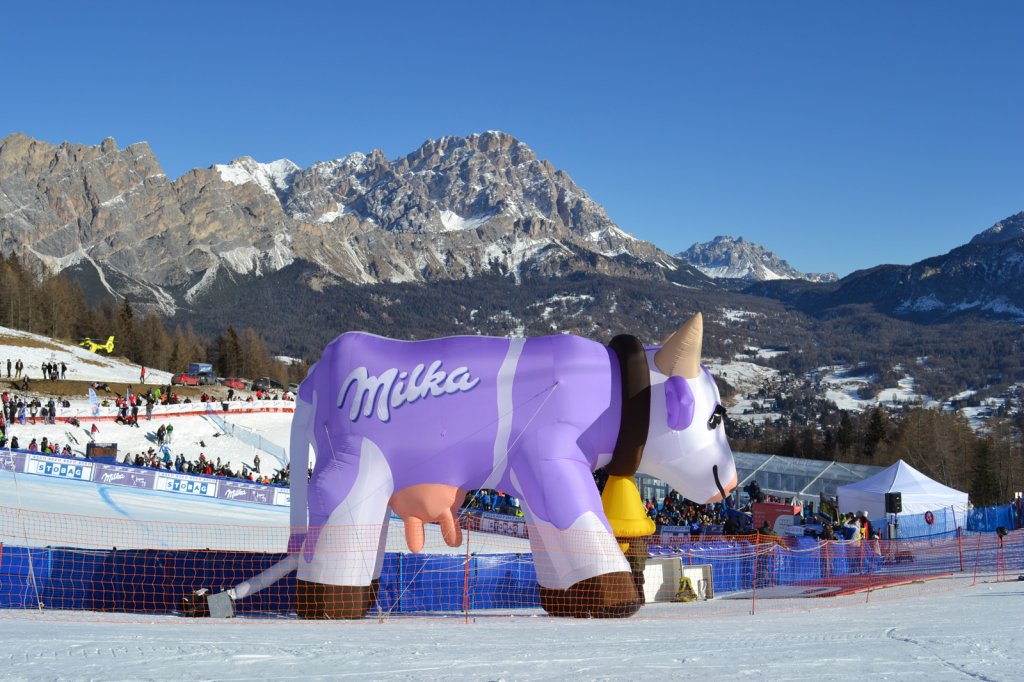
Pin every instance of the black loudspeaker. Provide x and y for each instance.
(893, 503)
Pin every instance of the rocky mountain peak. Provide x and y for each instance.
(497, 149)
(273, 178)
(737, 258)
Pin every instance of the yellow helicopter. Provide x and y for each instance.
(96, 347)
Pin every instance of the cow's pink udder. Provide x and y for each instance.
(429, 503)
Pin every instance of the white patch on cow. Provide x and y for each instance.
(300, 443)
(348, 551)
(563, 558)
(506, 411)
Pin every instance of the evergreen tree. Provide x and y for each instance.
(984, 490)
(875, 432)
(845, 434)
(125, 330)
(229, 353)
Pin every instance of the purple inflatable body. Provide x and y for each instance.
(394, 422)
(461, 411)
(413, 425)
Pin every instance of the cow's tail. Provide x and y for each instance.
(298, 453)
(298, 460)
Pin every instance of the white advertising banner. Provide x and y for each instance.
(58, 467)
(185, 485)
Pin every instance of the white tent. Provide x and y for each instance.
(919, 494)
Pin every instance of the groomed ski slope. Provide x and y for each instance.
(956, 634)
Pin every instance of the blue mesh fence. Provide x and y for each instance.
(991, 518)
(152, 581)
(944, 522)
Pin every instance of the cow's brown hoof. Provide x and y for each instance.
(611, 595)
(318, 601)
(194, 604)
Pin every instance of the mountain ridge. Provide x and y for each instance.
(454, 208)
(726, 257)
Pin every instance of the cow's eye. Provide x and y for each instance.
(716, 418)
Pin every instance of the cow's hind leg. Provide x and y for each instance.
(320, 601)
(324, 601)
(339, 573)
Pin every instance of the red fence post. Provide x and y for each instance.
(960, 547)
(465, 579)
(977, 557)
(753, 594)
(871, 565)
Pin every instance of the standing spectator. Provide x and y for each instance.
(142, 374)
(149, 408)
(17, 369)
(256, 463)
(170, 431)
(63, 371)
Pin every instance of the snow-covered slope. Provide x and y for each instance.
(34, 350)
(950, 631)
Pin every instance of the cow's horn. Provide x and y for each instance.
(680, 354)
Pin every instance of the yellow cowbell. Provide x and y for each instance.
(624, 509)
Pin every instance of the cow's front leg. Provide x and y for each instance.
(343, 554)
(580, 567)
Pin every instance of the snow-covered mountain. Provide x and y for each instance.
(726, 257)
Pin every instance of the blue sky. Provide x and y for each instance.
(841, 135)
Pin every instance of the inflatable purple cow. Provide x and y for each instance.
(413, 425)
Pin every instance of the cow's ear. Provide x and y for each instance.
(680, 403)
